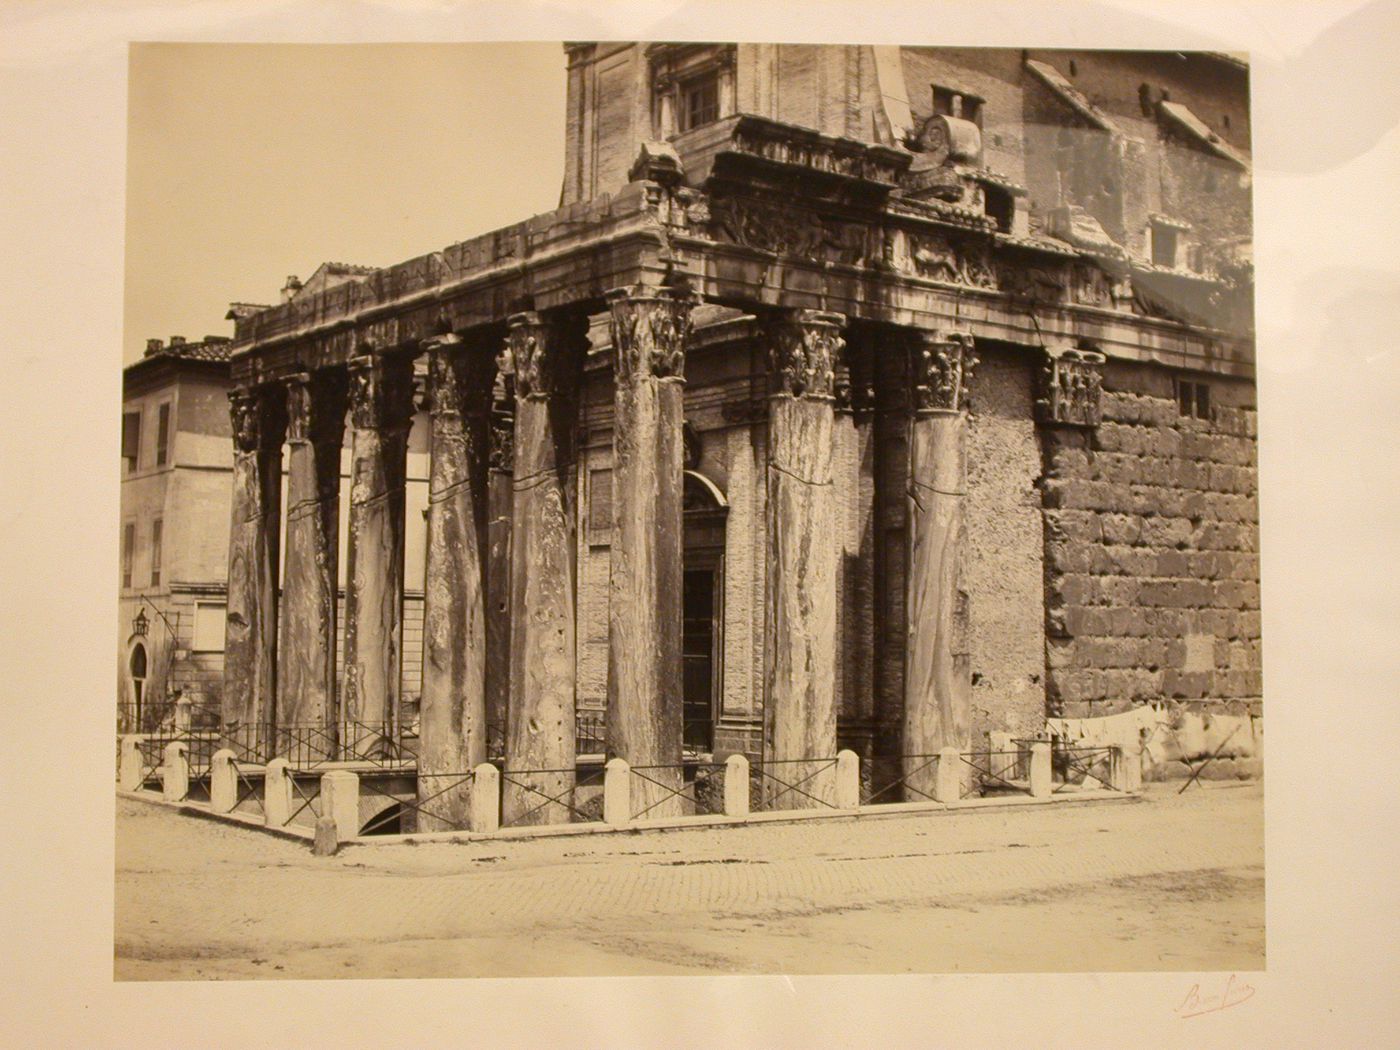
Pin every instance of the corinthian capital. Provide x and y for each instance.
(1071, 388)
(803, 348)
(544, 356)
(459, 377)
(940, 369)
(650, 330)
(258, 420)
(316, 406)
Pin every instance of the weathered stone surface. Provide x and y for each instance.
(936, 698)
(453, 709)
(801, 711)
(649, 332)
(381, 412)
(306, 656)
(540, 747)
(249, 698)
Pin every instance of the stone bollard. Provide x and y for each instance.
(326, 841)
(736, 786)
(340, 800)
(847, 780)
(1040, 769)
(947, 784)
(277, 793)
(617, 793)
(485, 813)
(175, 772)
(223, 781)
(131, 772)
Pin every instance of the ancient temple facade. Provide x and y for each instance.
(881, 398)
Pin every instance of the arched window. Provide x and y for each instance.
(138, 679)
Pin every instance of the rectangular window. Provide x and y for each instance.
(1193, 399)
(1163, 247)
(699, 101)
(131, 440)
(600, 508)
(128, 552)
(156, 529)
(209, 618)
(163, 435)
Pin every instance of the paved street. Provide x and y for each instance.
(1173, 882)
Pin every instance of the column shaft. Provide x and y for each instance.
(249, 702)
(381, 412)
(801, 714)
(306, 656)
(540, 748)
(498, 612)
(644, 610)
(452, 719)
(936, 704)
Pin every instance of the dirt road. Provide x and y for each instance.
(1168, 883)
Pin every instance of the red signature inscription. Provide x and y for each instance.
(1197, 1002)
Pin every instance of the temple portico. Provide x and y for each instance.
(705, 460)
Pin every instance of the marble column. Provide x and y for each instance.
(452, 715)
(249, 702)
(546, 358)
(644, 720)
(498, 502)
(936, 703)
(853, 463)
(306, 697)
(381, 413)
(800, 711)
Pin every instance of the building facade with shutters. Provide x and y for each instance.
(890, 398)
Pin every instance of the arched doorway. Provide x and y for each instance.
(137, 666)
(702, 615)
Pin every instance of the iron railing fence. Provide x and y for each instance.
(919, 768)
(701, 789)
(534, 789)
(792, 783)
(1002, 772)
(442, 804)
(1077, 767)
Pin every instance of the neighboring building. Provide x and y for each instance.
(965, 444)
(175, 506)
(174, 513)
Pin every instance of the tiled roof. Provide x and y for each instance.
(210, 348)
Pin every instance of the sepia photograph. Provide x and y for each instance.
(642, 508)
(699, 524)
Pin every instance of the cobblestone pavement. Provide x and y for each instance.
(1172, 882)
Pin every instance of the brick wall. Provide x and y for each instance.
(1151, 551)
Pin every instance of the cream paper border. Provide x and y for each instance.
(1326, 151)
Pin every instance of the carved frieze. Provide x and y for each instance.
(940, 370)
(1040, 284)
(649, 332)
(803, 348)
(784, 229)
(1090, 285)
(803, 148)
(1071, 388)
(381, 393)
(938, 257)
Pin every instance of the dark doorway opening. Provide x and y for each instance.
(698, 658)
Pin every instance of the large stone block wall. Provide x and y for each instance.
(1003, 573)
(1152, 551)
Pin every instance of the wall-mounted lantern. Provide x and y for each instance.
(140, 624)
